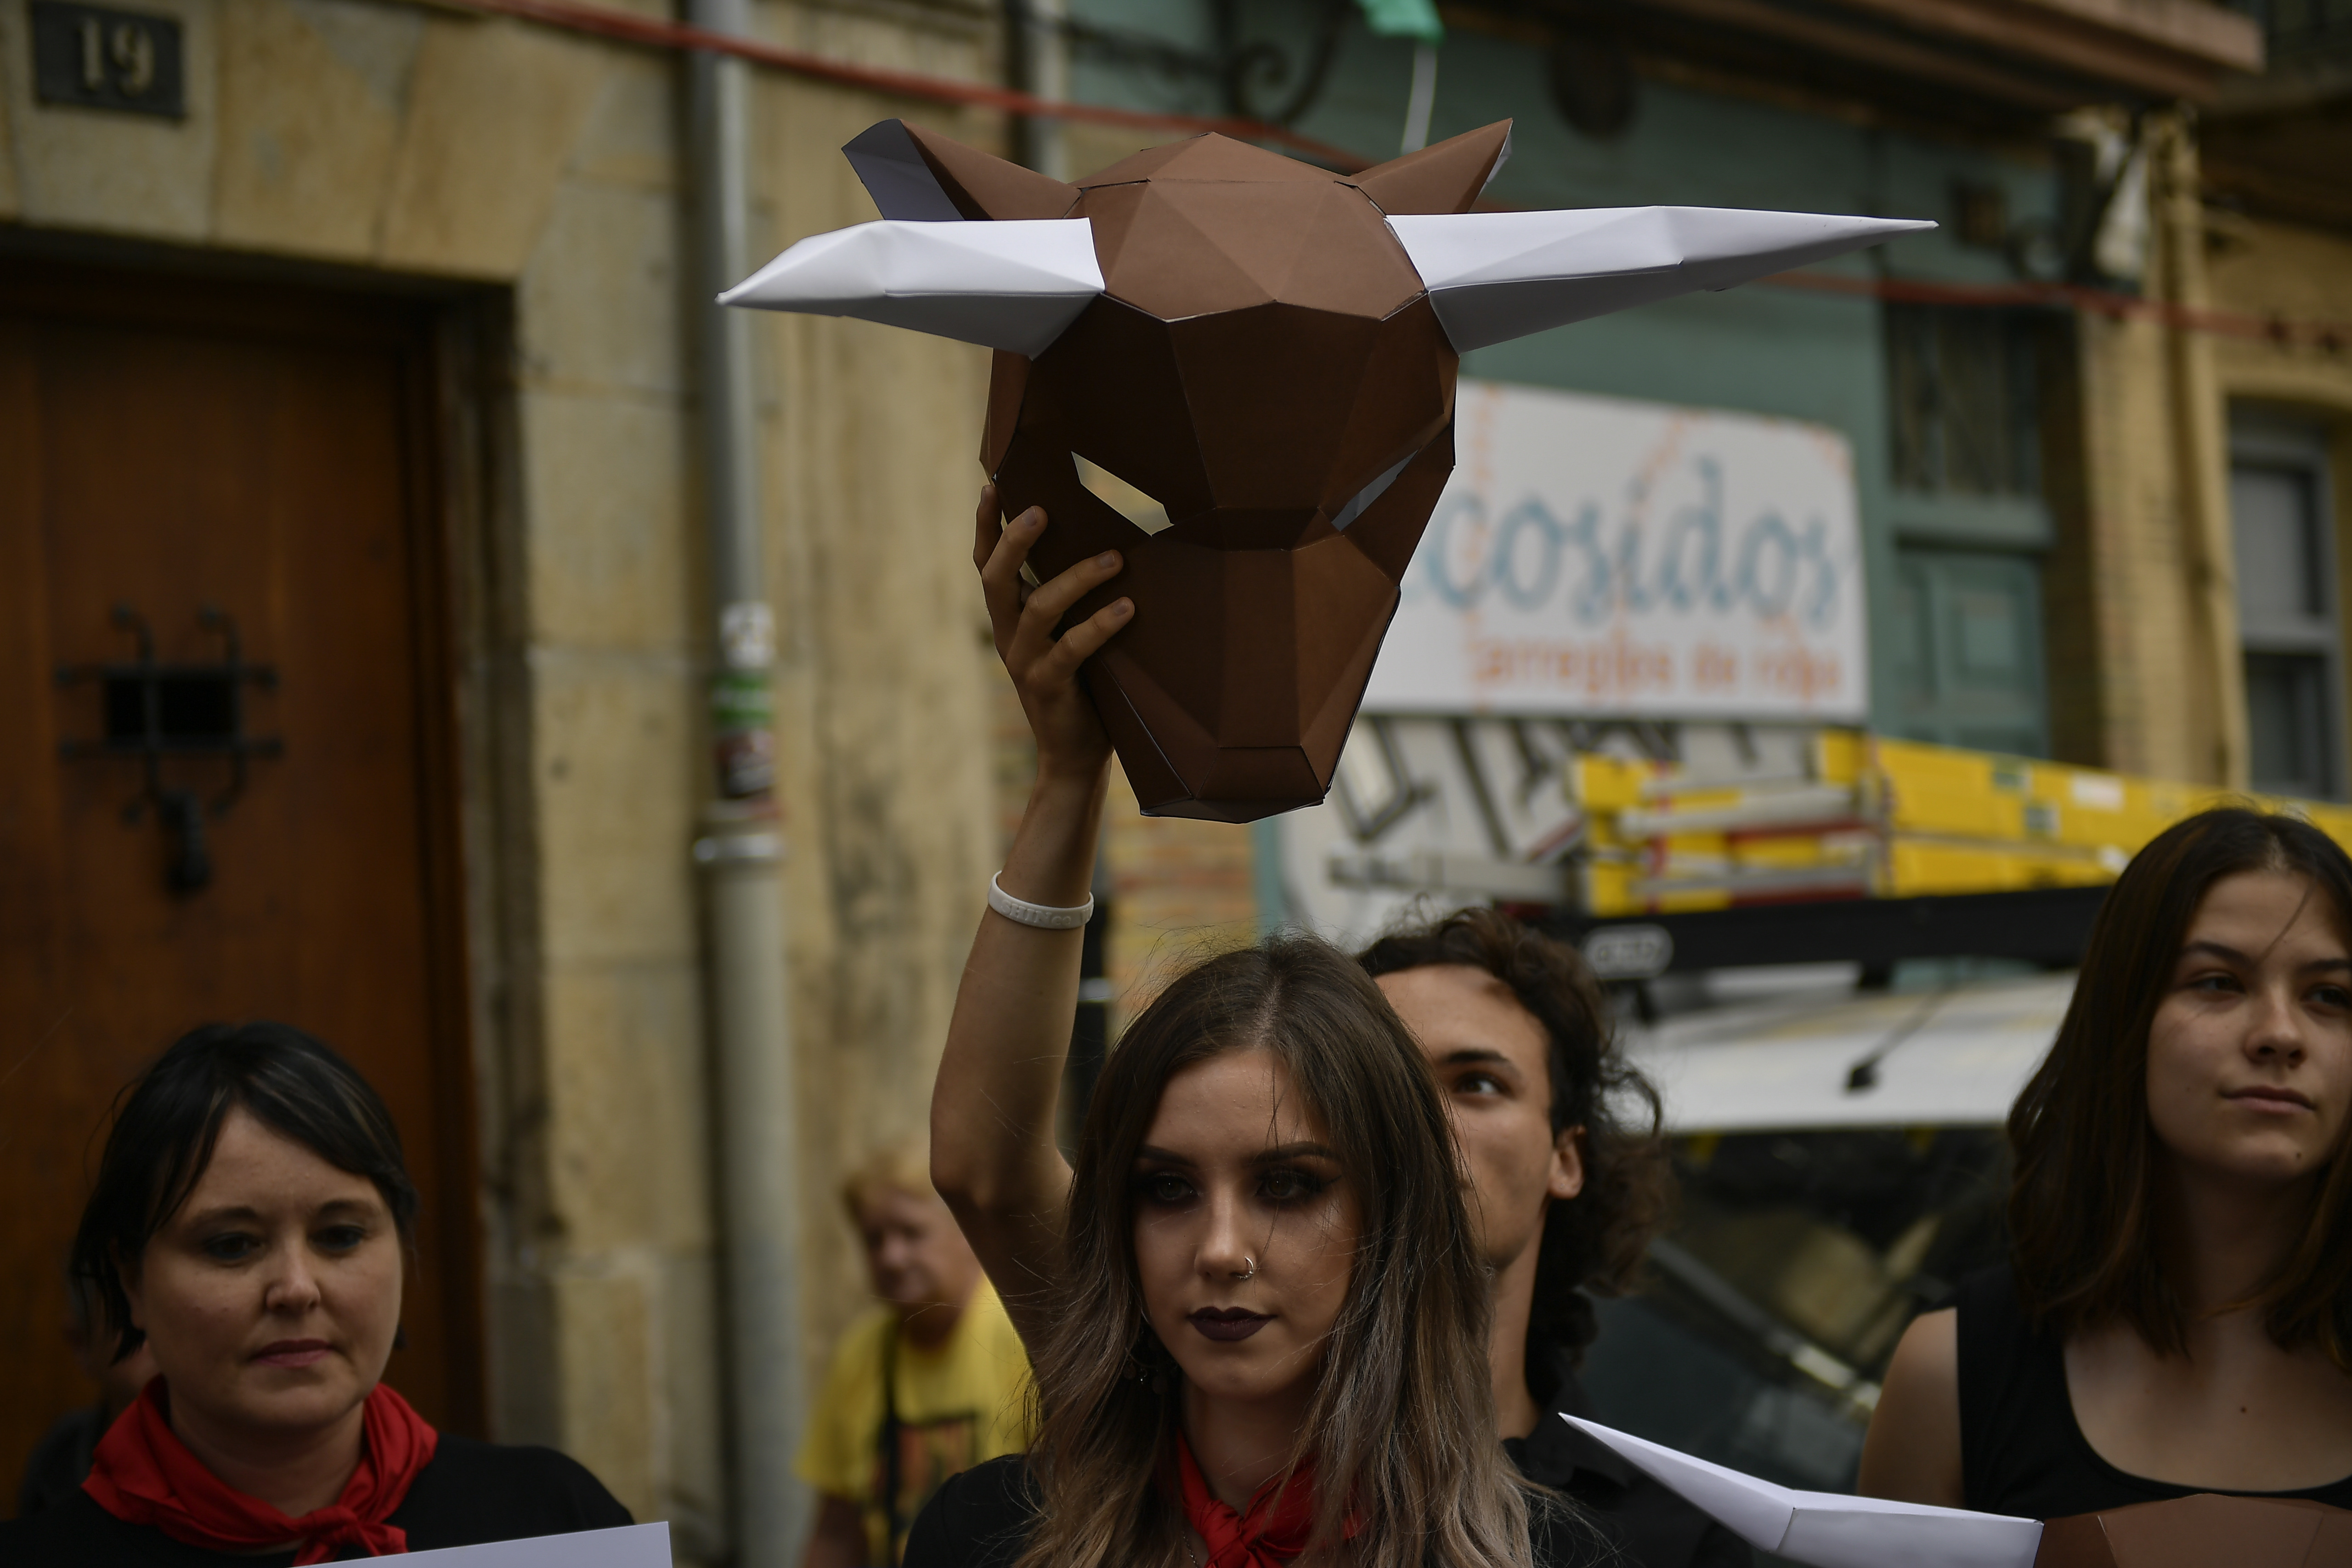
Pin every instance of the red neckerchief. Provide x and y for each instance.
(142, 1473)
(1276, 1529)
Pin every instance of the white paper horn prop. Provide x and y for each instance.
(1824, 1529)
(1007, 285)
(1496, 276)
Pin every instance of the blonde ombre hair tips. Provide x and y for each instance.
(1402, 1426)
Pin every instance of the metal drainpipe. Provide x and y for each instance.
(1037, 61)
(743, 850)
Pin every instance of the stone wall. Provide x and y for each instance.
(884, 680)
(410, 141)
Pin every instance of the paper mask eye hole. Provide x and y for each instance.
(1370, 492)
(1122, 497)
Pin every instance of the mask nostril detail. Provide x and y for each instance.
(1122, 497)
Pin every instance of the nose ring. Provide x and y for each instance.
(1252, 1272)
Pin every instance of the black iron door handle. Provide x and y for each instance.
(156, 711)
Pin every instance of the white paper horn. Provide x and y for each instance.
(1825, 1529)
(1496, 276)
(1012, 285)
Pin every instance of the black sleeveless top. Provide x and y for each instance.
(2021, 1451)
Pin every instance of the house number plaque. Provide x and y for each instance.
(100, 59)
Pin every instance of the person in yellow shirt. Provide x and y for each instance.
(931, 1382)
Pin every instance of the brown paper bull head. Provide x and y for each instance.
(1238, 369)
(2208, 1531)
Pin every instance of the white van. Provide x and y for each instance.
(1842, 1162)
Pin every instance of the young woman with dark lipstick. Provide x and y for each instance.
(249, 1223)
(2177, 1313)
(1255, 1307)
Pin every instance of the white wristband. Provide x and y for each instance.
(1045, 916)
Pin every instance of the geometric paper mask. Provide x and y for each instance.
(1238, 369)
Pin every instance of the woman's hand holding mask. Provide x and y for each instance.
(1071, 745)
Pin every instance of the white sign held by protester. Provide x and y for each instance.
(1594, 555)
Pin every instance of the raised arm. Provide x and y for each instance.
(993, 1152)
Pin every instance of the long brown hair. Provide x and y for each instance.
(1402, 1428)
(2082, 1210)
(1596, 1240)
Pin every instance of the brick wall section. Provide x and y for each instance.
(1178, 890)
(2264, 269)
(1181, 891)
(2139, 587)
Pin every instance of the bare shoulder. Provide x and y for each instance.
(1913, 1450)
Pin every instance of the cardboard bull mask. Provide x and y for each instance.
(1238, 369)
(2202, 1531)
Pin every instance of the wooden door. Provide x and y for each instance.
(196, 458)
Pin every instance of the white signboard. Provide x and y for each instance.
(1592, 555)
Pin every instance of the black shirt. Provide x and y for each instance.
(1649, 1524)
(982, 1518)
(60, 1460)
(471, 1493)
(2021, 1451)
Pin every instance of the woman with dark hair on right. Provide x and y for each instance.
(2177, 1314)
(1255, 1307)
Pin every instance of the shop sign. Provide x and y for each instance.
(1595, 555)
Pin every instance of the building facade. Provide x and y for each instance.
(368, 332)
(399, 286)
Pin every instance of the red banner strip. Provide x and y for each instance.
(629, 27)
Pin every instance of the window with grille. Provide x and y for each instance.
(2287, 616)
(1964, 403)
(1964, 410)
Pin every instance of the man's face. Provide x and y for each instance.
(915, 1256)
(1492, 1062)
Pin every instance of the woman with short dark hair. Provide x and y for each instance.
(2177, 1313)
(249, 1225)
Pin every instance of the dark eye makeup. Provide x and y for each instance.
(1162, 1189)
(1278, 1184)
(1288, 1185)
